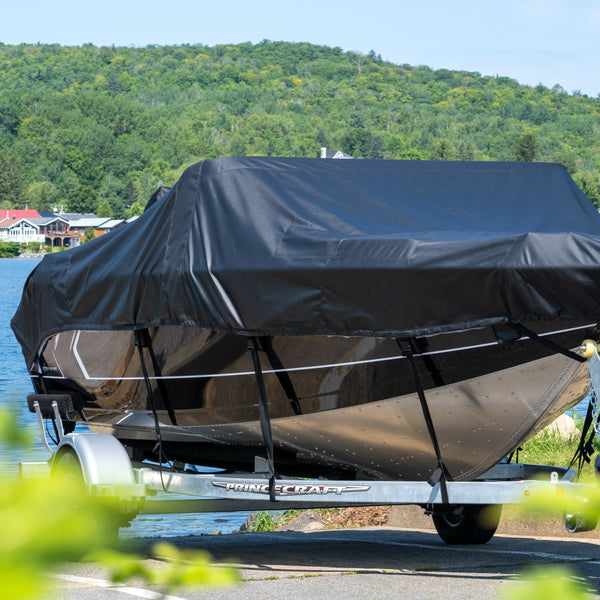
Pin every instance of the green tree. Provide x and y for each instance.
(567, 159)
(526, 148)
(89, 233)
(117, 206)
(589, 183)
(321, 138)
(114, 190)
(238, 146)
(358, 137)
(84, 166)
(377, 147)
(6, 195)
(465, 151)
(42, 195)
(135, 210)
(442, 151)
(11, 183)
(82, 199)
(105, 210)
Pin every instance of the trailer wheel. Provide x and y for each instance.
(67, 466)
(469, 524)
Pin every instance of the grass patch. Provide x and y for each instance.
(264, 522)
(269, 521)
(549, 448)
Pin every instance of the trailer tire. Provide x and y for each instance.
(67, 466)
(468, 524)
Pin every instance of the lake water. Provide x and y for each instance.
(15, 385)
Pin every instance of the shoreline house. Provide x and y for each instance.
(59, 229)
(100, 225)
(21, 231)
(17, 214)
(54, 231)
(50, 231)
(17, 225)
(327, 153)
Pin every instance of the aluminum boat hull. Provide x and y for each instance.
(356, 409)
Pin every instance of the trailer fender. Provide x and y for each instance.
(103, 459)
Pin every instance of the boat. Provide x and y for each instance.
(394, 320)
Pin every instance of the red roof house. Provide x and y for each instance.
(19, 214)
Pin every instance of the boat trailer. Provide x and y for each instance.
(462, 511)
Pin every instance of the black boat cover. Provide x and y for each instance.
(289, 246)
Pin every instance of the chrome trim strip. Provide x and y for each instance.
(292, 369)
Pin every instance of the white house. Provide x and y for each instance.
(21, 231)
(327, 153)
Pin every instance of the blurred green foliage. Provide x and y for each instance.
(45, 523)
(557, 582)
(49, 521)
(182, 568)
(549, 583)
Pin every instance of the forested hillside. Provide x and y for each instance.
(80, 126)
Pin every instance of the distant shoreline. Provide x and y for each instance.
(26, 255)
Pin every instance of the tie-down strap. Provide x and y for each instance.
(440, 474)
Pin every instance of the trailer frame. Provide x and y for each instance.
(108, 471)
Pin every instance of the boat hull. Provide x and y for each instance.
(357, 411)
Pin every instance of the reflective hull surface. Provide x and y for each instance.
(338, 406)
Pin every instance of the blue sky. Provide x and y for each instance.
(533, 41)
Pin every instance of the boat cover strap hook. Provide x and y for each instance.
(585, 449)
(421, 347)
(546, 342)
(143, 338)
(440, 474)
(40, 370)
(263, 412)
(140, 343)
(282, 374)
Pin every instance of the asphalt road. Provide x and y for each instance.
(359, 564)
